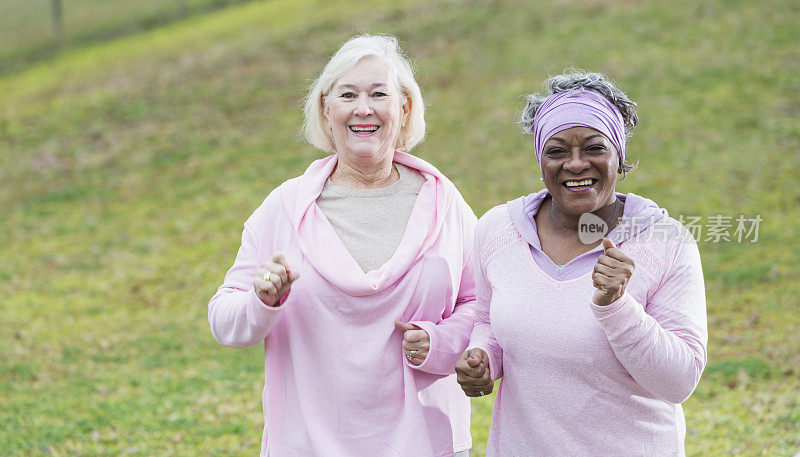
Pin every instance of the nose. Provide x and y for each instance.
(362, 107)
(576, 162)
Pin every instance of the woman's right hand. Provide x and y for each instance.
(472, 369)
(274, 279)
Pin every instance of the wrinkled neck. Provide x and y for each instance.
(365, 175)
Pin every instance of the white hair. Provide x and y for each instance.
(349, 54)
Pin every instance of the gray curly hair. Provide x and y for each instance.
(576, 79)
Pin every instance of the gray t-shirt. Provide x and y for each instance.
(372, 222)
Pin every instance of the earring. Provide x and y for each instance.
(541, 179)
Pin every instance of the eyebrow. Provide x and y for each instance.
(561, 140)
(353, 86)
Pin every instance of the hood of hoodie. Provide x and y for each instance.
(639, 214)
(327, 254)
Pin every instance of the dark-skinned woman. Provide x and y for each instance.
(590, 303)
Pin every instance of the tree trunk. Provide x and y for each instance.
(58, 20)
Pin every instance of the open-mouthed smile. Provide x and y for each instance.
(579, 185)
(364, 129)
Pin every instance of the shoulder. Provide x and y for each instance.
(495, 232)
(463, 208)
(420, 171)
(493, 221)
(275, 203)
(669, 236)
(662, 247)
(680, 242)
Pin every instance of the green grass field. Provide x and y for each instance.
(128, 167)
(28, 34)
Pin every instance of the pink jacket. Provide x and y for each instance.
(337, 383)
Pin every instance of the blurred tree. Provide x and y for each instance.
(58, 20)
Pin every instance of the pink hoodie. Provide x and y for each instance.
(337, 383)
(578, 378)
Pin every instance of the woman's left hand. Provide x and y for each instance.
(611, 274)
(416, 342)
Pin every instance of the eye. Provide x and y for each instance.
(553, 151)
(348, 95)
(379, 94)
(596, 149)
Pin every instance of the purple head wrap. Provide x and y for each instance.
(578, 108)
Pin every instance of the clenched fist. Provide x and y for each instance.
(416, 342)
(611, 274)
(274, 279)
(472, 370)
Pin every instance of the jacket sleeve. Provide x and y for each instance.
(664, 347)
(449, 338)
(237, 316)
(482, 336)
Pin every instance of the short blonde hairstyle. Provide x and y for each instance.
(384, 47)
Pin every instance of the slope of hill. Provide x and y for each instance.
(128, 167)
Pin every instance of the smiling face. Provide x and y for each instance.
(365, 111)
(579, 168)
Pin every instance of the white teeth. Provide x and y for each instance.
(585, 182)
(364, 129)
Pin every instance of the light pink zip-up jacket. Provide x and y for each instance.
(337, 383)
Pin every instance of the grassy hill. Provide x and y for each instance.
(28, 32)
(127, 169)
